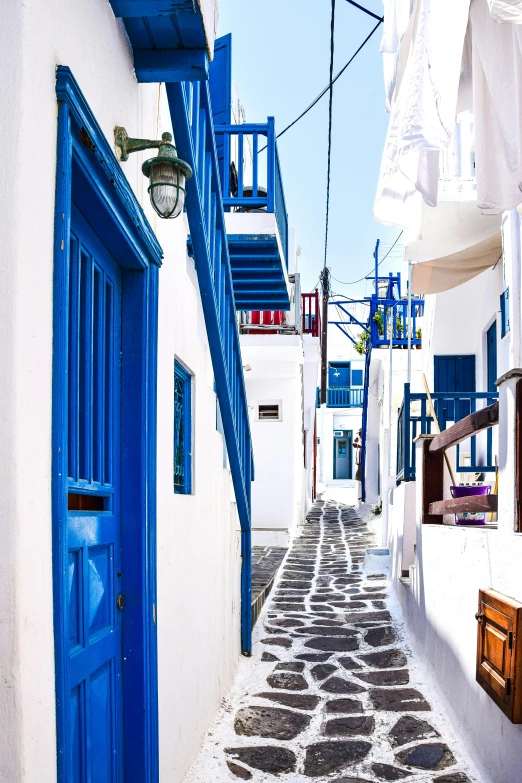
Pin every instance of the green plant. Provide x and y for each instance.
(362, 346)
(399, 326)
(418, 333)
(379, 320)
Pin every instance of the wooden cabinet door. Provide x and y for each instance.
(499, 651)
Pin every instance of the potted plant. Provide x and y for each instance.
(418, 335)
(379, 320)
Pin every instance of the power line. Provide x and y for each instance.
(330, 114)
(332, 82)
(366, 11)
(367, 273)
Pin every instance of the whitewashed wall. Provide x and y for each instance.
(283, 369)
(198, 543)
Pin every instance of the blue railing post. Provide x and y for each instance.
(407, 433)
(270, 174)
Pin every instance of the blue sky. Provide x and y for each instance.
(281, 57)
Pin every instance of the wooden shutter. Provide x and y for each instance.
(220, 84)
(499, 651)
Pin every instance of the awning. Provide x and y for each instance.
(442, 274)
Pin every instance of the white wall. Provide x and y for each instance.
(276, 375)
(452, 564)
(197, 539)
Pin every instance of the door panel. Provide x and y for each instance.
(453, 374)
(341, 458)
(491, 339)
(94, 523)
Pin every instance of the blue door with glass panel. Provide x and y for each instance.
(343, 455)
(94, 519)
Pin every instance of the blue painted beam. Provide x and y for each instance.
(171, 65)
(144, 8)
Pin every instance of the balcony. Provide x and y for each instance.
(303, 317)
(342, 398)
(255, 215)
(389, 316)
(450, 407)
(170, 41)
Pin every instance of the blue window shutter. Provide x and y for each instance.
(220, 84)
(357, 377)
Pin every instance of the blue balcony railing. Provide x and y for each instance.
(342, 398)
(392, 314)
(264, 189)
(450, 407)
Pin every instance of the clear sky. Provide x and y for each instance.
(281, 58)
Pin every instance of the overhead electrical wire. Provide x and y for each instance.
(332, 82)
(366, 10)
(330, 114)
(353, 282)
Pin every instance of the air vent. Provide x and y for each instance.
(269, 411)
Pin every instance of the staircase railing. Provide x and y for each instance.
(192, 123)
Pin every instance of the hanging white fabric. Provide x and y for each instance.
(423, 113)
(497, 85)
(395, 43)
(506, 11)
(442, 274)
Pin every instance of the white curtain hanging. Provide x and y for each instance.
(506, 11)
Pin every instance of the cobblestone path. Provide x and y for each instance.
(327, 695)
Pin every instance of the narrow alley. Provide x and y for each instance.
(328, 693)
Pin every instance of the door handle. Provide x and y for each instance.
(119, 601)
(479, 617)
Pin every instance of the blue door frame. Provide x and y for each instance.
(89, 174)
(491, 341)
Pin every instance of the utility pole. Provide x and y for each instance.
(325, 284)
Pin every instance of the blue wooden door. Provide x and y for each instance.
(343, 456)
(453, 374)
(339, 375)
(94, 521)
(491, 338)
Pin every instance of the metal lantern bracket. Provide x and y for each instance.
(166, 150)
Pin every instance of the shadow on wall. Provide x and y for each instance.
(494, 744)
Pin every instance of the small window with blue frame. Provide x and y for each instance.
(504, 313)
(182, 430)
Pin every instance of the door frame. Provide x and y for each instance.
(349, 454)
(84, 156)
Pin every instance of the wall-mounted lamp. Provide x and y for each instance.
(166, 172)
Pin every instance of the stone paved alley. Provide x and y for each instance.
(329, 694)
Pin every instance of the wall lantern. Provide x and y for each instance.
(166, 172)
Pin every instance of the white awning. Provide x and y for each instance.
(442, 274)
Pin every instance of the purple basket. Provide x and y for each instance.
(469, 517)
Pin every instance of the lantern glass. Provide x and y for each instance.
(167, 189)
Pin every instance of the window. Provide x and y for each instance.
(269, 411)
(504, 313)
(182, 430)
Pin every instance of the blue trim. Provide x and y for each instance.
(159, 65)
(193, 130)
(505, 325)
(183, 431)
(87, 168)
